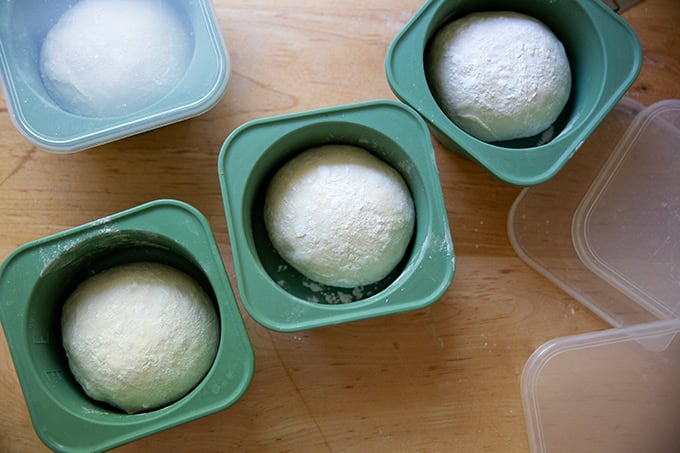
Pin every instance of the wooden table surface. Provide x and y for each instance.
(445, 378)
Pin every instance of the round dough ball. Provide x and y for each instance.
(113, 57)
(499, 75)
(339, 215)
(139, 336)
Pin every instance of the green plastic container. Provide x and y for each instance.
(36, 279)
(605, 58)
(23, 26)
(275, 294)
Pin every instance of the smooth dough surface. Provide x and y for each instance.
(113, 57)
(139, 336)
(339, 215)
(499, 75)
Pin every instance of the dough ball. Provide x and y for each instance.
(139, 336)
(113, 57)
(339, 215)
(499, 75)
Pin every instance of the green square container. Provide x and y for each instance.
(276, 295)
(36, 279)
(23, 27)
(605, 58)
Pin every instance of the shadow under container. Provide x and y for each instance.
(35, 281)
(42, 121)
(604, 55)
(273, 292)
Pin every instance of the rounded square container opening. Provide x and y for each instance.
(59, 280)
(55, 125)
(282, 299)
(28, 23)
(286, 148)
(584, 51)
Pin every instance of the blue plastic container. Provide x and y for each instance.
(23, 27)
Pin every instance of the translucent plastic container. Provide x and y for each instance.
(274, 293)
(611, 391)
(23, 27)
(36, 279)
(607, 231)
(604, 54)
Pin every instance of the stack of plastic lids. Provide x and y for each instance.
(607, 231)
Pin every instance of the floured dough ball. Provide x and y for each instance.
(499, 75)
(113, 57)
(339, 215)
(139, 336)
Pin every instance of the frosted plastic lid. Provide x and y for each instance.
(606, 229)
(611, 391)
(627, 229)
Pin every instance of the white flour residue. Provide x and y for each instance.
(314, 286)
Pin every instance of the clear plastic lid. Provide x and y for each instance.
(607, 231)
(607, 228)
(627, 229)
(611, 391)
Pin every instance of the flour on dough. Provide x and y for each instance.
(499, 75)
(114, 57)
(340, 215)
(139, 336)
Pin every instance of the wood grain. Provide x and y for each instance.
(441, 379)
